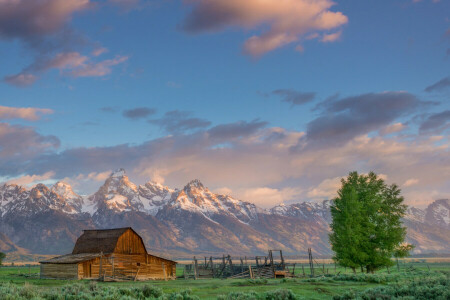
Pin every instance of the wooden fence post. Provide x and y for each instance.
(195, 268)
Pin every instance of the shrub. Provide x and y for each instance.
(27, 291)
(182, 295)
(151, 291)
(437, 288)
(281, 294)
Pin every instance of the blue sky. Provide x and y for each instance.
(92, 61)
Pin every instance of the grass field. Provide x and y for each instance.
(24, 283)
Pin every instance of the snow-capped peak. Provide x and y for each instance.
(438, 213)
(196, 183)
(118, 180)
(118, 193)
(118, 173)
(154, 196)
(195, 197)
(63, 189)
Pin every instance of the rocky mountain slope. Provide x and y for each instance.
(192, 220)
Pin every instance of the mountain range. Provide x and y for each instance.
(184, 222)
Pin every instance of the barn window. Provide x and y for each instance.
(138, 264)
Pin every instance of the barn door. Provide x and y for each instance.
(87, 270)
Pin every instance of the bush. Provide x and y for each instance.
(251, 282)
(183, 295)
(281, 294)
(437, 288)
(151, 291)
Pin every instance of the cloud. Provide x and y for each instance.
(268, 197)
(20, 142)
(95, 176)
(23, 19)
(109, 109)
(343, 119)
(392, 128)
(235, 130)
(327, 189)
(411, 182)
(256, 166)
(436, 122)
(43, 27)
(294, 97)
(67, 60)
(176, 121)
(280, 22)
(332, 37)
(441, 85)
(20, 80)
(71, 64)
(99, 51)
(98, 69)
(138, 113)
(25, 113)
(29, 180)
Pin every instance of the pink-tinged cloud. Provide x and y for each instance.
(411, 182)
(21, 79)
(99, 51)
(31, 179)
(26, 19)
(25, 113)
(332, 37)
(67, 60)
(23, 143)
(99, 69)
(40, 24)
(287, 20)
(392, 128)
(69, 63)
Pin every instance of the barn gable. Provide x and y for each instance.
(119, 240)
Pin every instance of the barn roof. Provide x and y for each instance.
(100, 240)
(71, 258)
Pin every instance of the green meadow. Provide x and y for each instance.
(418, 279)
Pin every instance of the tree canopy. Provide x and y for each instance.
(2, 257)
(366, 222)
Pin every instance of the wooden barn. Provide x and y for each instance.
(110, 254)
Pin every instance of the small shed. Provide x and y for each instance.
(109, 254)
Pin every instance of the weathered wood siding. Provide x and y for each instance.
(59, 271)
(129, 259)
(139, 266)
(130, 243)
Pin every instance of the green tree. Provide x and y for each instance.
(2, 257)
(366, 228)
